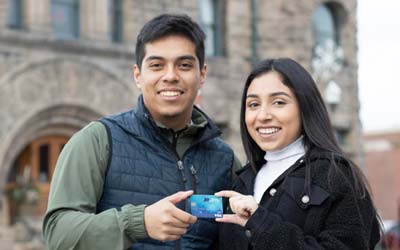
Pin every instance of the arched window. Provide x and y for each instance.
(328, 20)
(31, 174)
(212, 22)
(324, 26)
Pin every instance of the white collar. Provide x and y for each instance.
(295, 148)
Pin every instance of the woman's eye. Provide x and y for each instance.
(279, 102)
(252, 104)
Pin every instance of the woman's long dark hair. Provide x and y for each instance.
(316, 126)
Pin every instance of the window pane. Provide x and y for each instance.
(65, 18)
(210, 42)
(116, 20)
(44, 163)
(208, 22)
(12, 175)
(341, 136)
(324, 25)
(15, 14)
(207, 12)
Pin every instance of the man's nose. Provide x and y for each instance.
(171, 75)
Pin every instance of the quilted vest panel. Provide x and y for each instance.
(143, 169)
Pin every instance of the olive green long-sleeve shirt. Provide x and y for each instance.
(77, 185)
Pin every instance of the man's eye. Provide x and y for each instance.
(155, 65)
(186, 65)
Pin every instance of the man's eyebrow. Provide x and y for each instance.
(187, 57)
(184, 57)
(154, 58)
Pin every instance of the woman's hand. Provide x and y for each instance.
(243, 206)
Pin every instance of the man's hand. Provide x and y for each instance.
(243, 207)
(164, 221)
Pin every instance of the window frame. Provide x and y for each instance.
(70, 29)
(335, 36)
(15, 18)
(116, 19)
(215, 29)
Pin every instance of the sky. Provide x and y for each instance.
(379, 64)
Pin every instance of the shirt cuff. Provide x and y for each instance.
(133, 217)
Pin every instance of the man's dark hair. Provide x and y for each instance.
(166, 25)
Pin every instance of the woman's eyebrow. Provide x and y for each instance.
(279, 93)
(251, 96)
(272, 94)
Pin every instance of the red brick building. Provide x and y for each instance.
(382, 167)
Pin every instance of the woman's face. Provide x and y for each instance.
(272, 112)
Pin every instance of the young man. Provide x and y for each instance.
(122, 182)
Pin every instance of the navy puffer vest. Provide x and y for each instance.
(143, 169)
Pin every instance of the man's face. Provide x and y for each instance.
(170, 78)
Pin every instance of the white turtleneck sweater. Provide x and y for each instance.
(277, 162)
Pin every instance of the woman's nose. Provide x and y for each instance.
(264, 114)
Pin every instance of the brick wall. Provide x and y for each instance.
(382, 167)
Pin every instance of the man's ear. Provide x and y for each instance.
(203, 75)
(136, 75)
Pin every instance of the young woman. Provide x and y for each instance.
(299, 190)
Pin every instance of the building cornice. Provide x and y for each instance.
(78, 46)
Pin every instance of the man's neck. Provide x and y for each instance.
(173, 123)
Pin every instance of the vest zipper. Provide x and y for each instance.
(181, 168)
(182, 171)
(195, 178)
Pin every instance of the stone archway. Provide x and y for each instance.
(61, 120)
(56, 96)
(58, 82)
(50, 127)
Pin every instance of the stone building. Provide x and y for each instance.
(64, 63)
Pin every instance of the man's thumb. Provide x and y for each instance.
(179, 196)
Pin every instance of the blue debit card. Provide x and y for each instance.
(206, 206)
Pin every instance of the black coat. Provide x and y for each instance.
(292, 216)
